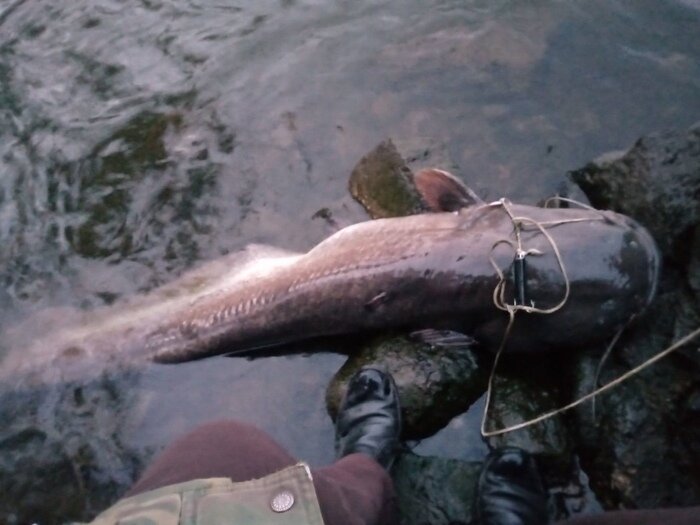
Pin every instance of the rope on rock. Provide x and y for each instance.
(675, 346)
(512, 309)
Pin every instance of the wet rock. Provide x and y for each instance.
(639, 447)
(569, 495)
(383, 179)
(694, 264)
(636, 446)
(383, 184)
(657, 182)
(435, 384)
(435, 491)
(440, 491)
(689, 431)
(425, 152)
(517, 398)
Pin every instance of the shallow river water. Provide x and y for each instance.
(142, 138)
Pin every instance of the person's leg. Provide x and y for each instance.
(368, 431)
(227, 449)
(509, 490)
(676, 516)
(354, 490)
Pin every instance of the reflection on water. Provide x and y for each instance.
(139, 138)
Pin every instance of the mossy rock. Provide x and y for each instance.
(435, 384)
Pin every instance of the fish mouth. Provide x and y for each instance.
(653, 254)
(647, 245)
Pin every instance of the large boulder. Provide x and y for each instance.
(657, 182)
(435, 491)
(640, 444)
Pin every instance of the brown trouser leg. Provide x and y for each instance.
(355, 490)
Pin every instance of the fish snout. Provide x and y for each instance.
(647, 250)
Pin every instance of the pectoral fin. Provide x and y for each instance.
(377, 301)
(443, 338)
(442, 191)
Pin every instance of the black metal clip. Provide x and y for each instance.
(520, 278)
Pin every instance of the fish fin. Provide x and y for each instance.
(376, 301)
(443, 338)
(442, 191)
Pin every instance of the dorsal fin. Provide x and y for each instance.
(442, 191)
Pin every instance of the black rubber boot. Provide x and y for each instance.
(510, 491)
(369, 419)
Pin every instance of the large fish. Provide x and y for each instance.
(435, 271)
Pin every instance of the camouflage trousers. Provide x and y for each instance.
(286, 497)
(234, 470)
